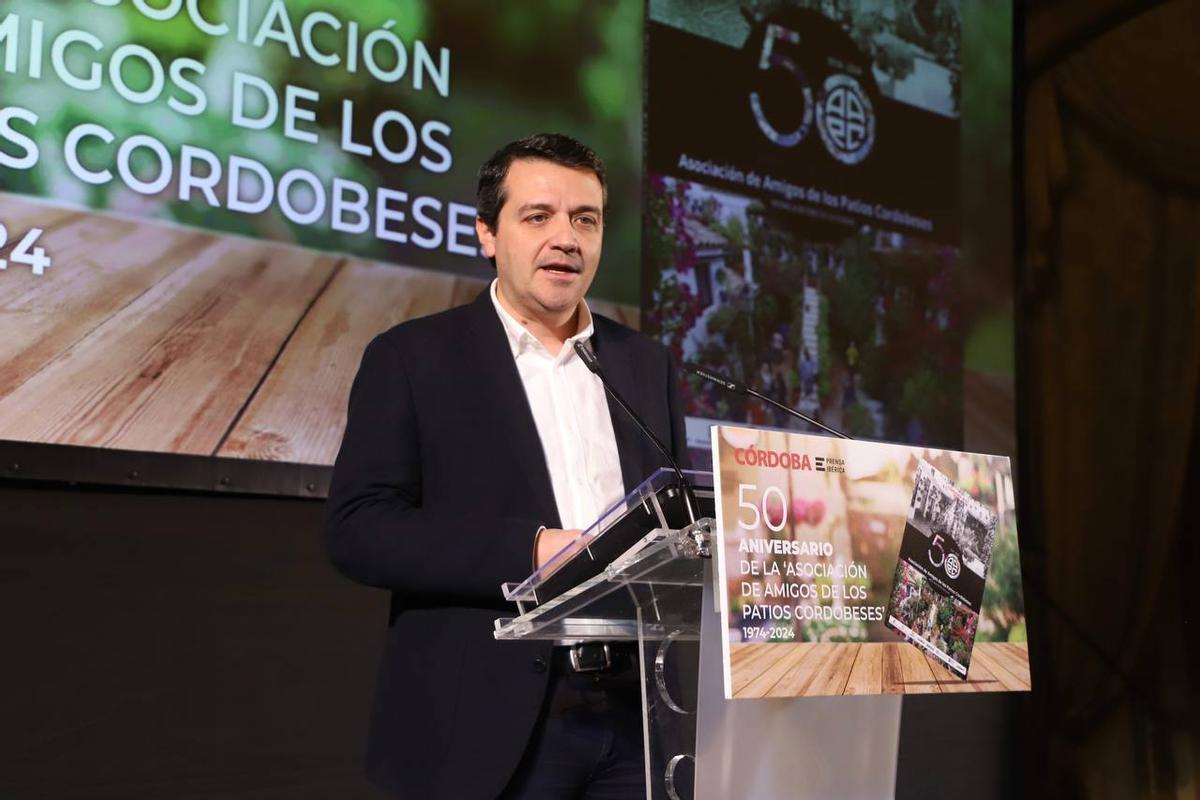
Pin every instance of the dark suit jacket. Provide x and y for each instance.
(438, 490)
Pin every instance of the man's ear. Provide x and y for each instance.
(487, 239)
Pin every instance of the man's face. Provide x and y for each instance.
(547, 238)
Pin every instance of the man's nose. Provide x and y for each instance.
(563, 236)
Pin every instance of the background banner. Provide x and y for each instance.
(208, 208)
(827, 215)
(852, 567)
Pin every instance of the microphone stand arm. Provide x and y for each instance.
(794, 412)
(740, 388)
(689, 498)
(593, 364)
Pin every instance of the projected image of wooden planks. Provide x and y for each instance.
(152, 337)
(817, 669)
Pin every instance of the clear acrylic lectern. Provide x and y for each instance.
(644, 573)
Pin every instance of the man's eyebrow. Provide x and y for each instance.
(521, 209)
(550, 207)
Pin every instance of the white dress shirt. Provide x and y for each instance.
(572, 418)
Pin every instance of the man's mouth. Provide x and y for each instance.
(562, 269)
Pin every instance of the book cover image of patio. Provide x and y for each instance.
(151, 337)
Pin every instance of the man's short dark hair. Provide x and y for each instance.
(556, 148)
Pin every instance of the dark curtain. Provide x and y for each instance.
(1109, 334)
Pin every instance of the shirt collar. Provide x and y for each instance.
(520, 340)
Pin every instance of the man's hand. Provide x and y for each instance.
(551, 540)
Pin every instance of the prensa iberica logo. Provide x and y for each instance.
(782, 459)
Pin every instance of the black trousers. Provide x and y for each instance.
(588, 744)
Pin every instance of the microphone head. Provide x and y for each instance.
(584, 351)
(708, 375)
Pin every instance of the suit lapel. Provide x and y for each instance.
(617, 363)
(501, 383)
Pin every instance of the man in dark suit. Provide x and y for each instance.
(477, 445)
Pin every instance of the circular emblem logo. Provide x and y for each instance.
(953, 566)
(846, 119)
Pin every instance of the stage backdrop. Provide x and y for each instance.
(209, 208)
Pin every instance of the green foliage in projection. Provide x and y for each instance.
(606, 81)
(733, 230)
(824, 355)
(990, 345)
(1004, 601)
(858, 421)
(986, 102)
(921, 393)
(852, 295)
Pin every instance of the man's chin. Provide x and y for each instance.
(559, 300)
(562, 293)
(559, 304)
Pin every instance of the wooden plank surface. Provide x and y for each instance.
(892, 671)
(821, 669)
(100, 266)
(18, 214)
(979, 677)
(156, 337)
(171, 369)
(866, 675)
(757, 678)
(1008, 662)
(299, 412)
(630, 316)
(834, 672)
(796, 683)
(749, 662)
(916, 674)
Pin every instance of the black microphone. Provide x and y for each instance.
(733, 386)
(593, 364)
